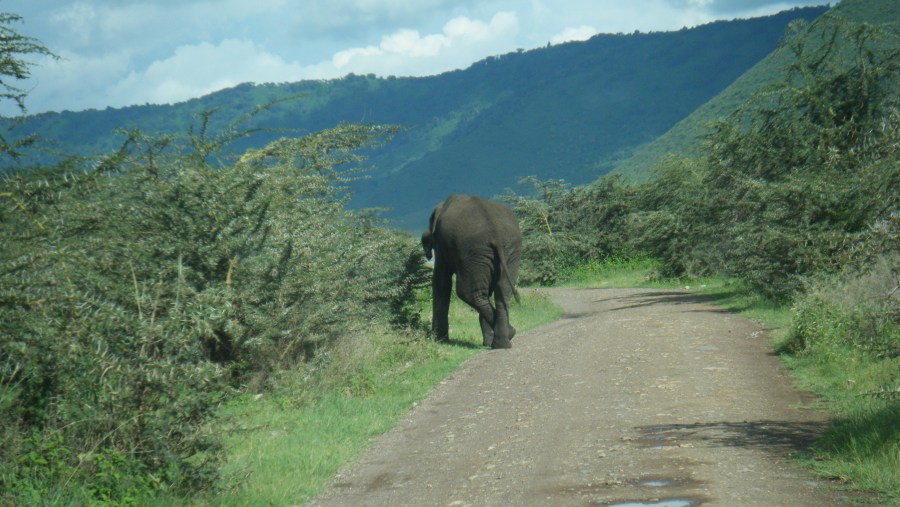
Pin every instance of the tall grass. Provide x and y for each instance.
(844, 345)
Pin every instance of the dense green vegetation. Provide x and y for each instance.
(796, 197)
(800, 180)
(566, 111)
(144, 291)
(138, 291)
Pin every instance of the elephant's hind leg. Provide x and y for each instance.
(487, 330)
(440, 293)
(503, 331)
(482, 304)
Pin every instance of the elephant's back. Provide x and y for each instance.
(474, 216)
(471, 225)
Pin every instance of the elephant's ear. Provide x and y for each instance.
(428, 235)
(428, 244)
(433, 217)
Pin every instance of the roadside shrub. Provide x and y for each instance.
(138, 290)
(800, 180)
(809, 165)
(858, 309)
(845, 341)
(563, 227)
(678, 219)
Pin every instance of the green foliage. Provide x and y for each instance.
(845, 338)
(844, 344)
(677, 219)
(285, 445)
(563, 227)
(681, 140)
(800, 180)
(863, 447)
(634, 271)
(856, 309)
(139, 289)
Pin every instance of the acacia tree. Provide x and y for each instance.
(141, 288)
(14, 67)
(563, 226)
(807, 167)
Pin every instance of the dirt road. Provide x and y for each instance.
(635, 397)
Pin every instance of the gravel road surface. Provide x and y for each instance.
(634, 398)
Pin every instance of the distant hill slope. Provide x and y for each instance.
(683, 138)
(570, 111)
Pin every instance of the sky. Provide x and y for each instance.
(115, 53)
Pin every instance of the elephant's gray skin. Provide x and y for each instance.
(478, 241)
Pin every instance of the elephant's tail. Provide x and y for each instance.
(504, 269)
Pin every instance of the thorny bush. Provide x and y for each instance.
(138, 290)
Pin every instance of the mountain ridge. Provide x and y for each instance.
(570, 111)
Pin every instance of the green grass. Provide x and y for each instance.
(861, 448)
(725, 292)
(284, 446)
(612, 273)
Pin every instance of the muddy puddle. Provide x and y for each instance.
(674, 502)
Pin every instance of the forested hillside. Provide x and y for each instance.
(570, 111)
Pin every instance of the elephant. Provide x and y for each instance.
(478, 241)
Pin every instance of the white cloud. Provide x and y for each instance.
(410, 43)
(580, 33)
(78, 18)
(342, 59)
(203, 68)
(88, 24)
(73, 82)
(405, 50)
(465, 29)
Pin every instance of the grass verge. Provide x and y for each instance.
(286, 445)
(861, 448)
(724, 292)
(612, 273)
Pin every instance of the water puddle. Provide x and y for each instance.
(668, 502)
(655, 481)
(657, 484)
